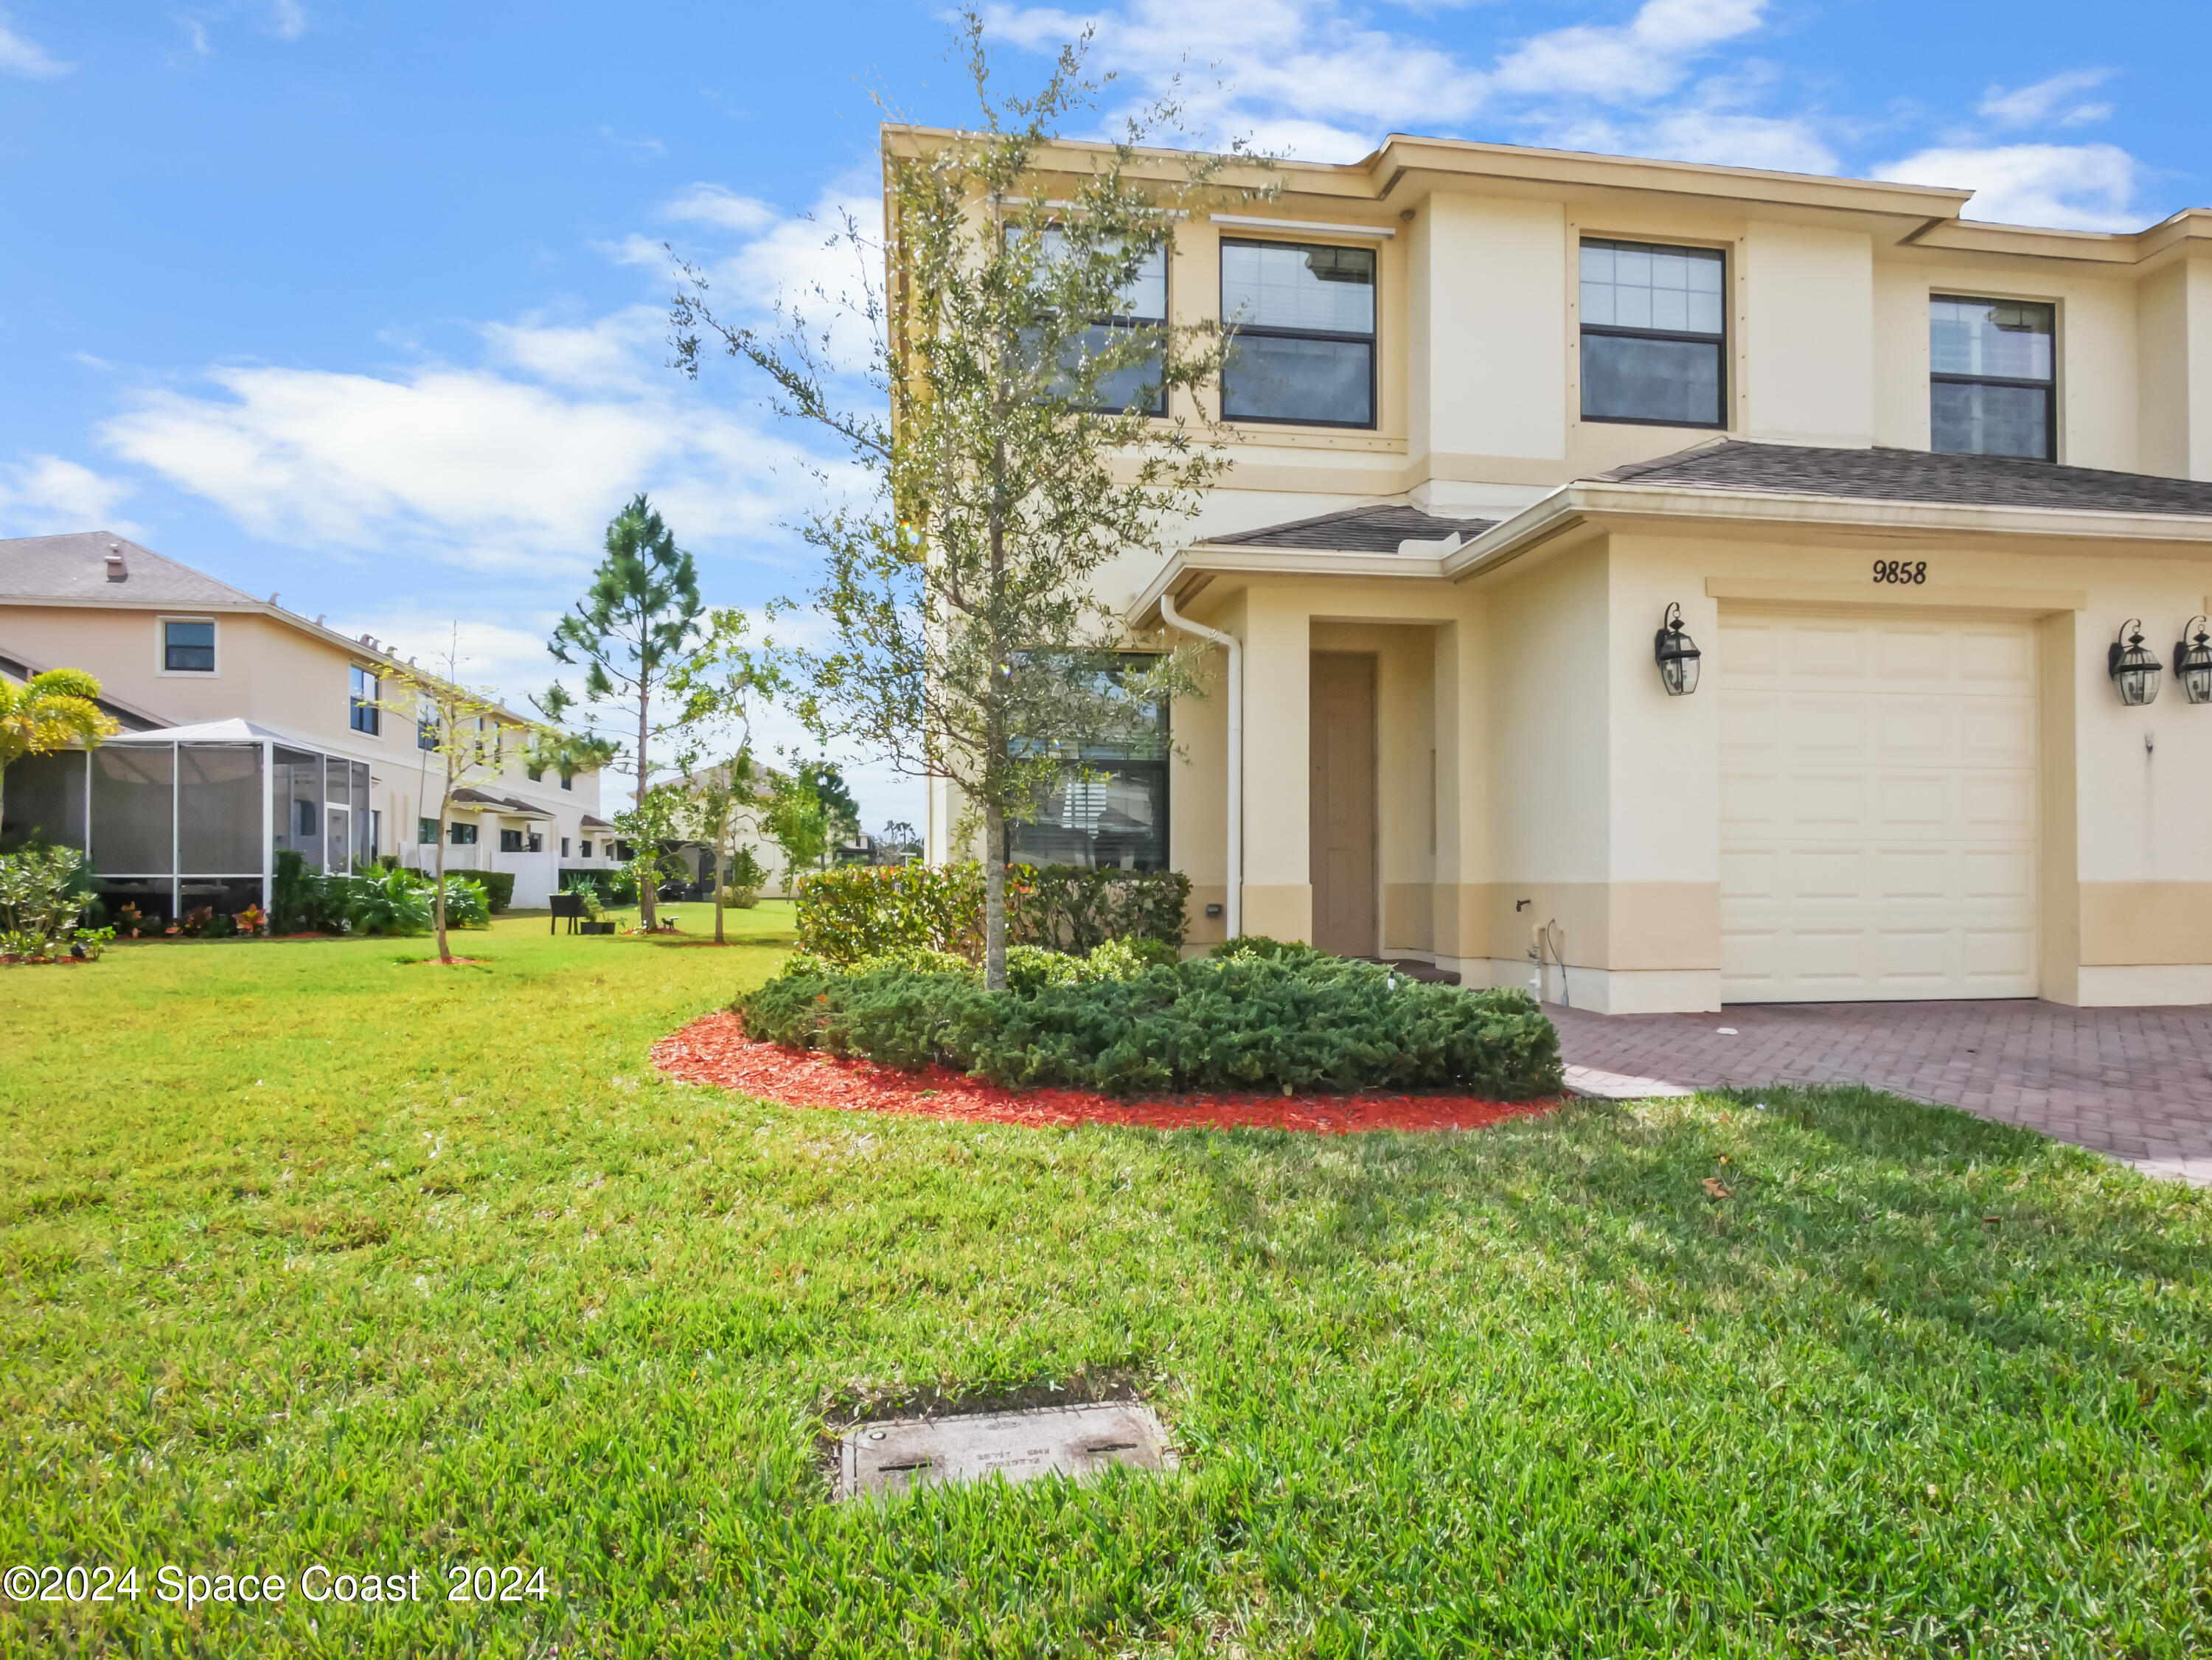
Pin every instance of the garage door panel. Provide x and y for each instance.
(1999, 876)
(1915, 876)
(1749, 798)
(1878, 801)
(1905, 802)
(1814, 875)
(1835, 801)
(2000, 657)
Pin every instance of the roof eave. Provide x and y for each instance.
(1575, 503)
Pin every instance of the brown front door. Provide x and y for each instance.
(1343, 804)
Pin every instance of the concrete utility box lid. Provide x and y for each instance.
(1075, 1440)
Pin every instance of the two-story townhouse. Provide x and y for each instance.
(1910, 484)
(250, 730)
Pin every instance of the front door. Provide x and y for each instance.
(1342, 804)
(337, 826)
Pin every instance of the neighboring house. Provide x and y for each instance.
(1908, 478)
(250, 730)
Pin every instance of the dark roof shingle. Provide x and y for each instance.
(75, 566)
(1356, 530)
(1915, 475)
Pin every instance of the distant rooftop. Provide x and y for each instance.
(1357, 530)
(76, 567)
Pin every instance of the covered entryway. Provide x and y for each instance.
(1878, 808)
(1347, 917)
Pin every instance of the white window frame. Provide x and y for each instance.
(162, 621)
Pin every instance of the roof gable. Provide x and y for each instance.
(74, 567)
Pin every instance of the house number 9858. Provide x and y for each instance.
(1901, 570)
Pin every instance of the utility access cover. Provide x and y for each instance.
(1075, 1440)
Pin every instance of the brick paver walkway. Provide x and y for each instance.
(2135, 1083)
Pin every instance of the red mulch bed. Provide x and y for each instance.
(715, 1050)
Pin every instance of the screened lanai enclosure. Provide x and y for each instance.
(186, 816)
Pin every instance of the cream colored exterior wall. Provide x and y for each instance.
(289, 675)
(1532, 773)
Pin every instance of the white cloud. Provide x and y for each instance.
(467, 465)
(20, 55)
(2046, 100)
(289, 18)
(2087, 187)
(635, 146)
(1644, 58)
(719, 206)
(1317, 80)
(43, 495)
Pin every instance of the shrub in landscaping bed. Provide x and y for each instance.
(498, 887)
(864, 911)
(1237, 1020)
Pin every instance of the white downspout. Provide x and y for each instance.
(1230, 644)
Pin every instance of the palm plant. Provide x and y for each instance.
(49, 711)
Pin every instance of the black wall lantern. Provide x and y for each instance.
(2192, 661)
(1677, 655)
(2134, 671)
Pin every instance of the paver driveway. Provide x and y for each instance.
(2135, 1083)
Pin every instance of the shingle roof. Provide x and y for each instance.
(1356, 530)
(75, 566)
(1915, 475)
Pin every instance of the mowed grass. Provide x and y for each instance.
(314, 1255)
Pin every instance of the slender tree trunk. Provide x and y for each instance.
(721, 876)
(648, 913)
(438, 890)
(995, 896)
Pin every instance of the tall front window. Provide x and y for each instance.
(188, 648)
(1303, 346)
(1142, 305)
(1990, 389)
(1654, 334)
(1115, 817)
(361, 703)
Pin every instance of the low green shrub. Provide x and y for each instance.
(1246, 1019)
(467, 904)
(498, 887)
(862, 911)
(387, 900)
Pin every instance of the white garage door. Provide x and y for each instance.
(1877, 809)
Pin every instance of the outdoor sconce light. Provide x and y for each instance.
(2192, 661)
(2134, 671)
(1677, 655)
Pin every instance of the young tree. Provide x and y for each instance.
(628, 632)
(796, 821)
(471, 732)
(721, 804)
(1037, 428)
(720, 683)
(49, 711)
(570, 753)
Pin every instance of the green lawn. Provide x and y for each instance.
(315, 1255)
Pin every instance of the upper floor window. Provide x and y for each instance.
(567, 780)
(1303, 346)
(1990, 388)
(1654, 334)
(187, 647)
(363, 714)
(426, 730)
(1142, 305)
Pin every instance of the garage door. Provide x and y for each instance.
(1877, 809)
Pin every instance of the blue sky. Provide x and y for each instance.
(363, 302)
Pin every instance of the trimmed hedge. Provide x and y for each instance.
(498, 886)
(859, 911)
(1239, 1020)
